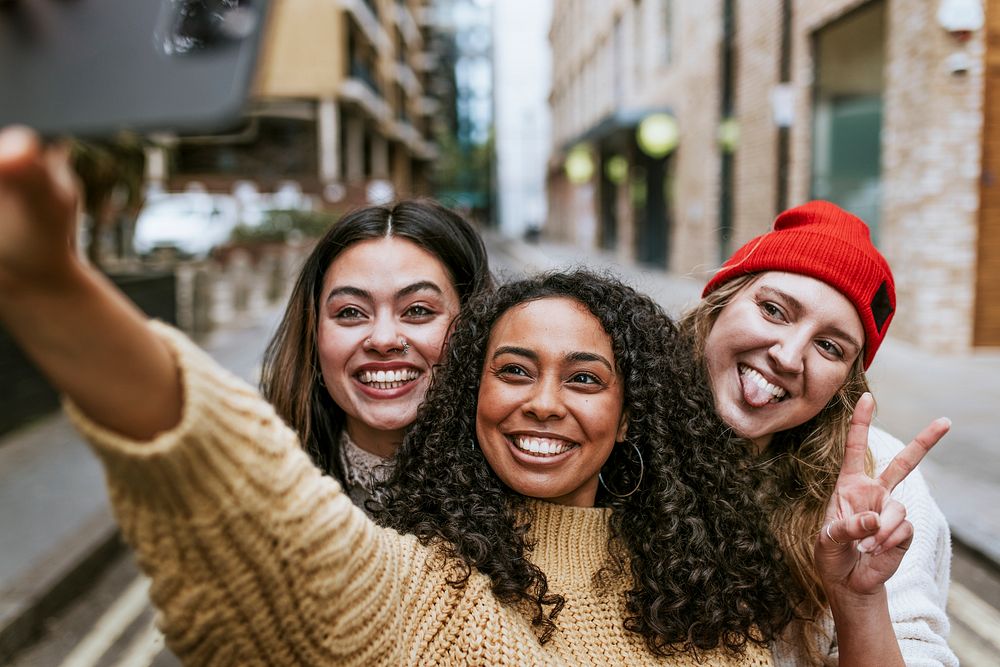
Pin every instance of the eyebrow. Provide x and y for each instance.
(531, 354)
(797, 306)
(348, 290)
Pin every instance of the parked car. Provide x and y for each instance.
(189, 224)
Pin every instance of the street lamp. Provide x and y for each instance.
(616, 169)
(658, 135)
(579, 165)
(728, 135)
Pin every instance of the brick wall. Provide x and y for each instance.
(930, 152)
(758, 39)
(931, 165)
(695, 96)
(931, 144)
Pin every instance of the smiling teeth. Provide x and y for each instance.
(542, 446)
(757, 378)
(388, 379)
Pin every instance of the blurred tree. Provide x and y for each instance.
(462, 175)
(112, 175)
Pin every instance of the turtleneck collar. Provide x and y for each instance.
(572, 542)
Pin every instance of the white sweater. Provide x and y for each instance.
(918, 592)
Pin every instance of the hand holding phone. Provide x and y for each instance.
(93, 68)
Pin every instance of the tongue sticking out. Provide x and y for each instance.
(753, 393)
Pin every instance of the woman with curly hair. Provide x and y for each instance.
(570, 440)
(786, 329)
(352, 357)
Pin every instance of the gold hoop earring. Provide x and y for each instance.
(638, 483)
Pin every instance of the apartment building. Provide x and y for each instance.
(752, 106)
(343, 107)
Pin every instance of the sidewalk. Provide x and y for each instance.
(56, 529)
(911, 386)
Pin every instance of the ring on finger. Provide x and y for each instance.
(830, 535)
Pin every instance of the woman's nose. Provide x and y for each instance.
(789, 352)
(384, 336)
(545, 402)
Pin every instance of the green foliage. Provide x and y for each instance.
(463, 173)
(282, 225)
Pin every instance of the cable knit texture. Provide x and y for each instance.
(258, 559)
(918, 592)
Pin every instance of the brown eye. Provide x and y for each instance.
(349, 313)
(771, 310)
(585, 378)
(830, 348)
(512, 370)
(419, 312)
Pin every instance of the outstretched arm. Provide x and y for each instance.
(862, 542)
(84, 335)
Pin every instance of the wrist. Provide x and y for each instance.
(27, 300)
(60, 275)
(848, 604)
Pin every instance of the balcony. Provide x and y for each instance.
(361, 71)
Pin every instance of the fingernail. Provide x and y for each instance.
(945, 421)
(15, 141)
(869, 522)
(866, 545)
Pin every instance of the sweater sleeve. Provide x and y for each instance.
(918, 591)
(254, 555)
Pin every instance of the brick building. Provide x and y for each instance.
(343, 106)
(878, 105)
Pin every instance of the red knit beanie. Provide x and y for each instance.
(823, 241)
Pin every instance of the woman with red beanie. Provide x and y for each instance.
(786, 329)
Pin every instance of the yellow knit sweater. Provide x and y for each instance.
(258, 559)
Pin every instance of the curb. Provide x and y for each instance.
(975, 552)
(54, 582)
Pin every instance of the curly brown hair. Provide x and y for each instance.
(705, 570)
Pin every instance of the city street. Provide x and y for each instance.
(112, 625)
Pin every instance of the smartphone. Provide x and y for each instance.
(93, 68)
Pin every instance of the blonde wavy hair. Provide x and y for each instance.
(799, 469)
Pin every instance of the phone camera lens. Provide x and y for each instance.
(197, 25)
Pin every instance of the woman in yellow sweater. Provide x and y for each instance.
(257, 558)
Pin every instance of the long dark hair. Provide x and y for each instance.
(705, 569)
(290, 376)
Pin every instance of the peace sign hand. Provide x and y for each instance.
(865, 532)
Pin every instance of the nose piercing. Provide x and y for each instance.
(368, 342)
(403, 345)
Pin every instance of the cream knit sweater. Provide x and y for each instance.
(258, 559)
(918, 591)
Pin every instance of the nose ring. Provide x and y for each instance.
(404, 346)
